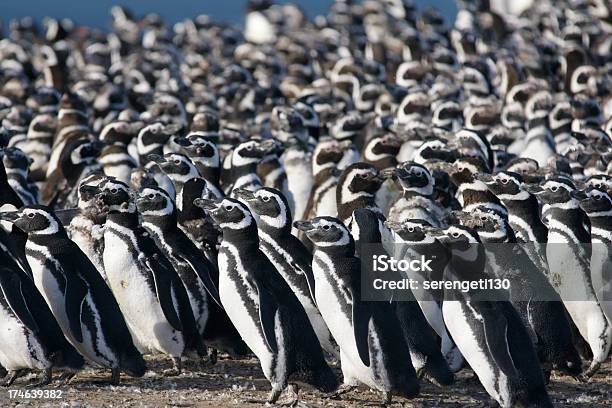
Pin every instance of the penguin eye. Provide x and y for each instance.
(229, 207)
(326, 227)
(554, 188)
(362, 176)
(177, 162)
(597, 197)
(30, 215)
(455, 235)
(265, 198)
(114, 191)
(504, 181)
(151, 196)
(483, 218)
(460, 169)
(249, 147)
(410, 229)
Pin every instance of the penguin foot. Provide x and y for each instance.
(12, 376)
(386, 398)
(46, 379)
(592, 370)
(292, 394)
(343, 389)
(273, 397)
(115, 376)
(176, 369)
(65, 378)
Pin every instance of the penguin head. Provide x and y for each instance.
(115, 197)
(326, 232)
(382, 146)
(121, 132)
(15, 159)
(34, 220)
(456, 237)
(464, 169)
(328, 152)
(504, 184)
(176, 166)
(88, 188)
(82, 152)
(414, 177)
(200, 148)
(251, 152)
(228, 213)
(413, 231)
(360, 177)
(269, 204)
(594, 201)
(434, 149)
(555, 191)
(154, 202)
(526, 167)
(153, 135)
(490, 224)
(470, 143)
(600, 181)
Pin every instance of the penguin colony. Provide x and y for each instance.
(200, 188)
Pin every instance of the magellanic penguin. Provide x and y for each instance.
(372, 351)
(489, 333)
(531, 293)
(381, 152)
(425, 354)
(568, 253)
(195, 270)
(16, 165)
(244, 160)
(416, 202)
(78, 297)
(297, 160)
(204, 154)
(31, 338)
(597, 204)
(262, 306)
(147, 288)
(357, 188)
(288, 255)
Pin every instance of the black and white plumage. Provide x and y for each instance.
(262, 306)
(147, 288)
(288, 255)
(372, 351)
(357, 187)
(78, 297)
(16, 165)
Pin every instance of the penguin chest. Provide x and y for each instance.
(466, 328)
(130, 282)
(20, 348)
(326, 201)
(240, 301)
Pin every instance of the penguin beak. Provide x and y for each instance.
(244, 194)
(484, 177)
(10, 216)
(156, 158)
(208, 205)
(579, 195)
(303, 225)
(533, 188)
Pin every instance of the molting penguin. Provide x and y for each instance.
(288, 255)
(148, 290)
(267, 314)
(82, 304)
(31, 338)
(372, 351)
(569, 264)
(490, 334)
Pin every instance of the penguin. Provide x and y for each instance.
(297, 161)
(490, 334)
(76, 294)
(417, 200)
(147, 288)
(569, 264)
(16, 165)
(322, 200)
(288, 255)
(205, 156)
(195, 270)
(244, 160)
(381, 152)
(262, 306)
(357, 187)
(151, 139)
(372, 351)
(425, 355)
(31, 338)
(531, 293)
(86, 229)
(597, 204)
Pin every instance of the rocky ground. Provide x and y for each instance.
(240, 383)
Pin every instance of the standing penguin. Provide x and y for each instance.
(148, 289)
(262, 306)
(489, 334)
(29, 334)
(372, 350)
(569, 258)
(288, 254)
(82, 304)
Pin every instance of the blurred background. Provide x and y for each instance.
(95, 13)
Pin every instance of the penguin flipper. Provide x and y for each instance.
(76, 290)
(13, 293)
(267, 315)
(163, 289)
(202, 268)
(496, 336)
(361, 323)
